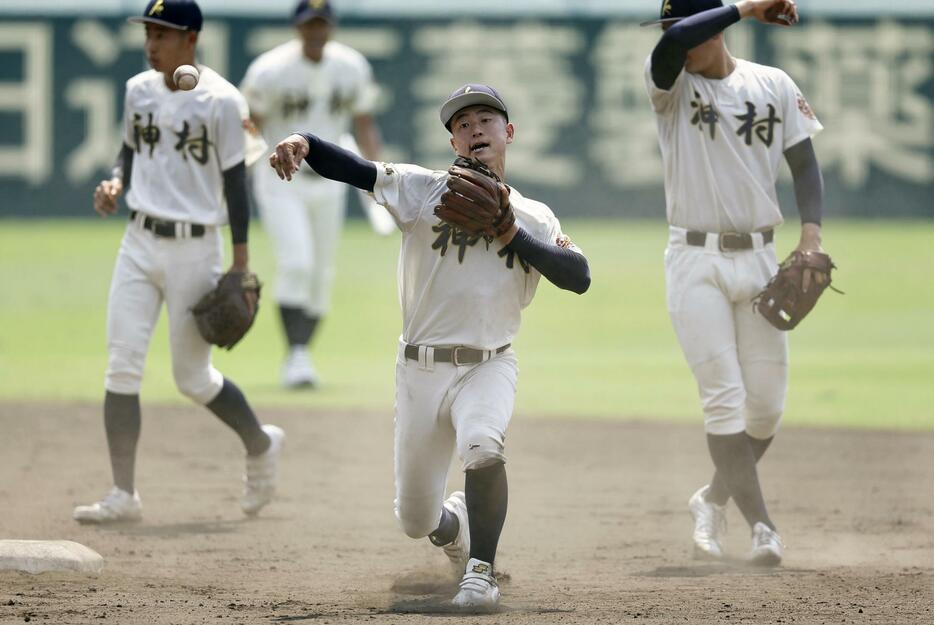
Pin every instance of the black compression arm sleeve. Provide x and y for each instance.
(123, 166)
(238, 202)
(809, 184)
(564, 268)
(671, 51)
(336, 163)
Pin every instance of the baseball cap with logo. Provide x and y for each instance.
(178, 14)
(470, 95)
(307, 10)
(675, 10)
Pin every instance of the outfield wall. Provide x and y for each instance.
(586, 138)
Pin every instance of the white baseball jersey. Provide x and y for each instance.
(453, 289)
(722, 142)
(291, 93)
(183, 142)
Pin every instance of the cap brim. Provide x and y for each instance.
(307, 16)
(464, 100)
(666, 20)
(153, 20)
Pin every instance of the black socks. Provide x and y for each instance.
(735, 460)
(299, 326)
(447, 529)
(718, 492)
(122, 423)
(231, 407)
(487, 494)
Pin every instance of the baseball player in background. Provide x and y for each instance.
(182, 163)
(462, 296)
(325, 86)
(724, 125)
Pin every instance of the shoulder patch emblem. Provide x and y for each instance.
(388, 170)
(250, 127)
(805, 108)
(563, 241)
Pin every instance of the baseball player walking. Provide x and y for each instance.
(723, 126)
(462, 295)
(182, 160)
(310, 82)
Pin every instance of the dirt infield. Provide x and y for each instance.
(597, 530)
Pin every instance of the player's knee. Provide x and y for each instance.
(480, 447)
(764, 412)
(124, 369)
(418, 517)
(724, 411)
(200, 386)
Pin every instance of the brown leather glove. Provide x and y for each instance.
(476, 202)
(224, 314)
(784, 302)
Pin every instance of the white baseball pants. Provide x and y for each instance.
(739, 360)
(150, 270)
(440, 406)
(304, 220)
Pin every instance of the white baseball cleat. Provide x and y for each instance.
(458, 550)
(709, 526)
(767, 546)
(297, 371)
(262, 473)
(117, 506)
(478, 587)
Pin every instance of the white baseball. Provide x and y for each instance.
(186, 77)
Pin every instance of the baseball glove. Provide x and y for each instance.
(477, 201)
(224, 314)
(784, 302)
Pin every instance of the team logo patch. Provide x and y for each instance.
(563, 241)
(316, 4)
(157, 8)
(805, 108)
(388, 170)
(666, 8)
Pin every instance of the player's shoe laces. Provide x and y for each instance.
(262, 472)
(297, 371)
(767, 546)
(116, 506)
(478, 588)
(709, 525)
(458, 550)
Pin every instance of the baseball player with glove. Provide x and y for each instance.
(473, 250)
(183, 165)
(323, 85)
(724, 125)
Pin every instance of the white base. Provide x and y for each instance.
(39, 556)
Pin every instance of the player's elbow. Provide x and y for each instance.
(580, 282)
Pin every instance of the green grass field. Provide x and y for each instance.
(865, 359)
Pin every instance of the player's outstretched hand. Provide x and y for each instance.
(288, 157)
(778, 12)
(105, 196)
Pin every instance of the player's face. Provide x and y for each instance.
(481, 132)
(314, 33)
(167, 48)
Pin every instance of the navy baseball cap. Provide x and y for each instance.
(470, 95)
(674, 10)
(307, 10)
(178, 14)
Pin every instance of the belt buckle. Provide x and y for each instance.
(728, 241)
(454, 352)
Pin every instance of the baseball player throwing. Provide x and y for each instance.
(473, 251)
(723, 126)
(182, 161)
(310, 82)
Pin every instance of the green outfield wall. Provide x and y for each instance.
(586, 139)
